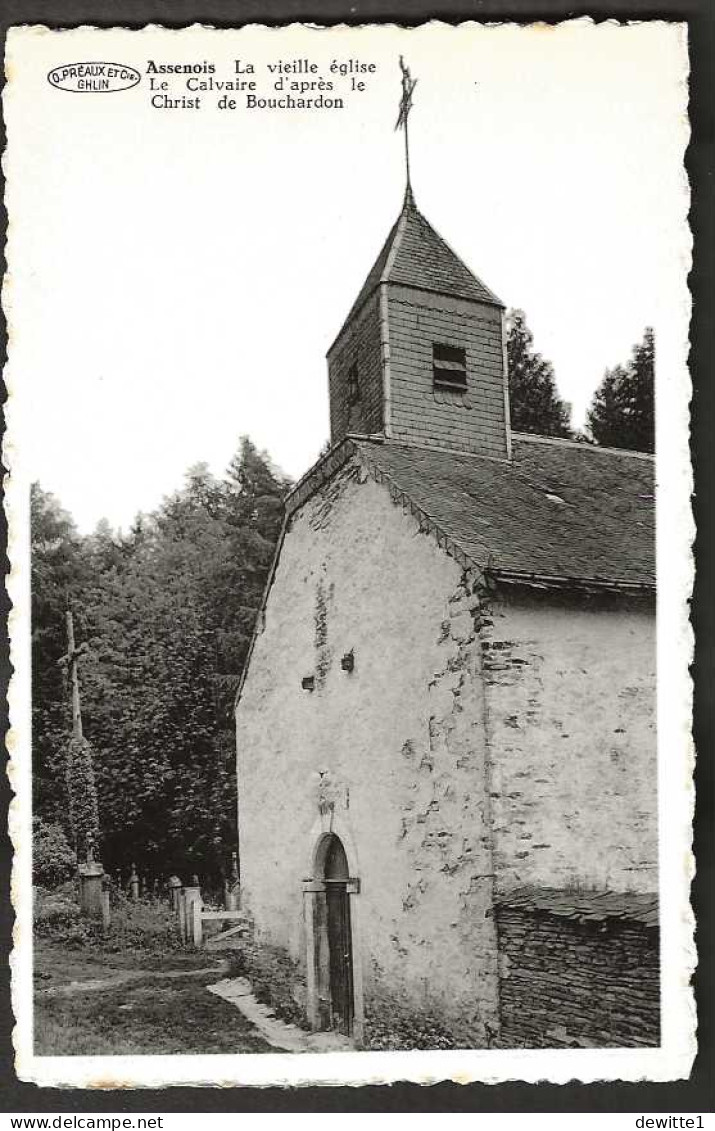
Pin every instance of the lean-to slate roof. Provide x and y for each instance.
(415, 255)
(584, 905)
(556, 512)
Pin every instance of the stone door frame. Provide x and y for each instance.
(326, 826)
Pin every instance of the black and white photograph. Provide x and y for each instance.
(350, 534)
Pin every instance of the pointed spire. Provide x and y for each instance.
(415, 255)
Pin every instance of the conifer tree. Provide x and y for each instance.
(622, 412)
(535, 404)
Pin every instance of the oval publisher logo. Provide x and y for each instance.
(93, 78)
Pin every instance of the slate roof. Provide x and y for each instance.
(584, 906)
(557, 510)
(415, 255)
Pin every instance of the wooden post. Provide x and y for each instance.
(181, 912)
(192, 896)
(197, 932)
(233, 887)
(106, 913)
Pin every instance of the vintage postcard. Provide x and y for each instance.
(350, 539)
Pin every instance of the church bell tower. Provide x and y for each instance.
(420, 358)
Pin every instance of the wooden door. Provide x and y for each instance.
(341, 959)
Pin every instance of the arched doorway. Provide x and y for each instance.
(331, 915)
(339, 936)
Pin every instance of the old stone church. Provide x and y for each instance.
(446, 730)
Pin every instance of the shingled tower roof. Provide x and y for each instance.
(415, 255)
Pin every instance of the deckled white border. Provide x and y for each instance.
(674, 1058)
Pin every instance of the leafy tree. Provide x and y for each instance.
(167, 612)
(622, 412)
(534, 400)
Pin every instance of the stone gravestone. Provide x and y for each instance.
(134, 884)
(91, 875)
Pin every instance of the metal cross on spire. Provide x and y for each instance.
(408, 86)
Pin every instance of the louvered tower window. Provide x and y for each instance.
(449, 367)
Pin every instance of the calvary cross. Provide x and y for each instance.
(70, 662)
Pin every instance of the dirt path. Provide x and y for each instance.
(124, 976)
(89, 1003)
(155, 1010)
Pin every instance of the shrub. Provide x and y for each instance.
(55, 912)
(144, 925)
(59, 919)
(393, 1029)
(53, 861)
(273, 975)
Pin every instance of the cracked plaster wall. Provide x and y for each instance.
(571, 699)
(403, 738)
(568, 783)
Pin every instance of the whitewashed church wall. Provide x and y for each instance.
(402, 737)
(571, 703)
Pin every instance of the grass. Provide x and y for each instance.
(152, 1017)
(148, 1015)
(57, 965)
